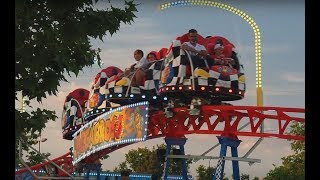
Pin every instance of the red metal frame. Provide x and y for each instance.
(182, 123)
(65, 161)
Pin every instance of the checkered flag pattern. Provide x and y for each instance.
(174, 50)
(218, 170)
(101, 80)
(217, 79)
(73, 113)
(179, 61)
(153, 75)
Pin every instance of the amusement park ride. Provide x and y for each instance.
(175, 99)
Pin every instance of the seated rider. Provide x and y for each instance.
(196, 51)
(216, 57)
(136, 71)
(151, 57)
(141, 61)
(140, 73)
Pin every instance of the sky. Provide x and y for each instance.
(283, 68)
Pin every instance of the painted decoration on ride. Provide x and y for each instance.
(167, 74)
(126, 124)
(96, 100)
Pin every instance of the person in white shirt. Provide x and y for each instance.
(196, 50)
(141, 61)
(136, 72)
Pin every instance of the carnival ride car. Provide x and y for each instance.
(72, 114)
(172, 78)
(181, 100)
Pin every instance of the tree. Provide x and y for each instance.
(123, 166)
(144, 160)
(34, 158)
(255, 178)
(293, 165)
(206, 173)
(135, 158)
(52, 40)
(245, 177)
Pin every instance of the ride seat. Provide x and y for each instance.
(154, 52)
(227, 50)
(161, 53)
(216, 39)
(185, 38)
(111, 71)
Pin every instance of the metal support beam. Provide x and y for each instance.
(215, 157)
(170, 142)
(30, 170)
(233, 143)
(53, 163)
(218, 144)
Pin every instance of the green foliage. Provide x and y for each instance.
(144, 160)
(135, 157)
(255, 178)
(34, 158)
(205, 173)
(32, 123)
(52, 39)
(123, 166)
(245, 177)
(293, 165)
(282, 172)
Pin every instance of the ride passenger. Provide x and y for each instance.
(151, 57)
(197, 51)
(140, 73)
(216, 57)
(141, 61)
(136, 70)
